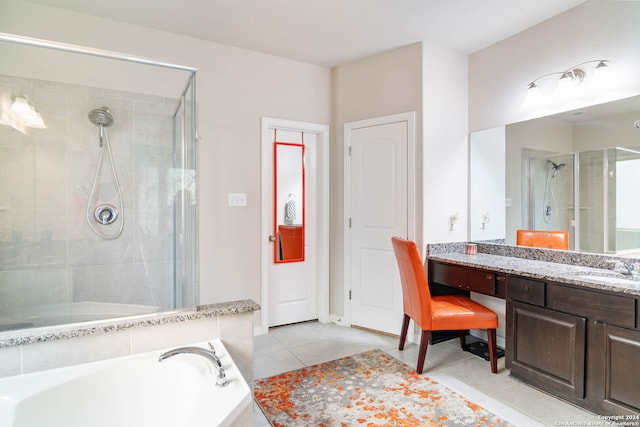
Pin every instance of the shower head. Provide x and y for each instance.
(557, 166)
(101, 117)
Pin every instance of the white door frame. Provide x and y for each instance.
(410, 118)
(266, 228)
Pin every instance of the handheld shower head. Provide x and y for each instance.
(556, 166)
(101, 117)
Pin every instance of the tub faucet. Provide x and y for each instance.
(207, 354)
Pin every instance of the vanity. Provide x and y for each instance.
(571, 330)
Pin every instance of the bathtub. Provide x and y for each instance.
(131, 391)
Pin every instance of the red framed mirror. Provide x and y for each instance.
(289, 201)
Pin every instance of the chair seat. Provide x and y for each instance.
(456, 312)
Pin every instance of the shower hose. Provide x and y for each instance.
(89, 213)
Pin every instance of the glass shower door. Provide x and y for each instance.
(184, 200)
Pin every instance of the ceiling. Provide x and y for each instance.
(329, 32)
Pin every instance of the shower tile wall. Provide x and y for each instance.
(591, 202)
(48, 254)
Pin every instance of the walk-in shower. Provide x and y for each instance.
(592, 194)
(104, 214)
(98, 208)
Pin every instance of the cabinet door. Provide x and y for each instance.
(546, 348)
(615, 369)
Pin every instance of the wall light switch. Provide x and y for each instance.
(237, 199)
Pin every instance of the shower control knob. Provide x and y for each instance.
(106, 214)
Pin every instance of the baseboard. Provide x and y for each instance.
(259, 330)
(338, 320)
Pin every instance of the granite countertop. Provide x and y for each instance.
(581, 276)
(51, 333)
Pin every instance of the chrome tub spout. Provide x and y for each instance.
(207, 354)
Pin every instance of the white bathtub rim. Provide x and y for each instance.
(15, 389)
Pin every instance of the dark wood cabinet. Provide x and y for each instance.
(614, 366)
(577, 343)
(546, 348)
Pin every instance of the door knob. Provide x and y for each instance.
(272, 238)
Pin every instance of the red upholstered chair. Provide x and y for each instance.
(439, 313)
(543, 239)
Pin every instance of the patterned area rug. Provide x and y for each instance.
(367, 389)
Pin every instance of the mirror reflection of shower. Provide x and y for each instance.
(99, 213)
(550, 203)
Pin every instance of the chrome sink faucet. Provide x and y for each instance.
(210, 355)
(626, 268)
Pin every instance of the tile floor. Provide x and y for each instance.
(292, 347)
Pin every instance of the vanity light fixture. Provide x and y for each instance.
(567, 82)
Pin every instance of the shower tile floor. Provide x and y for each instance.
(292, 347)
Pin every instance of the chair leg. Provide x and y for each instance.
(422, 353)
(463, 339)
(403, 333)
(493, 351)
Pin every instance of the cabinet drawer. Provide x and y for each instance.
(607, 308)
(525, 290)
(464, 278)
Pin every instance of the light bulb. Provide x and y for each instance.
(534, 97)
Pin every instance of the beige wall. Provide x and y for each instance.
(376, 86)
(427, 79)
(445, 146)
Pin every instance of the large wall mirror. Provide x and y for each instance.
(576, 171)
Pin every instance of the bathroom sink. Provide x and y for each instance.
(611, 280)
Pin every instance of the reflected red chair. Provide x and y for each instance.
(439, 313)
(543, 239)
(291, 241)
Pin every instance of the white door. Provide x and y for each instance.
(294, 291)
(378, 208)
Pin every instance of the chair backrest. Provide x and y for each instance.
(543, 239)
(416, 298)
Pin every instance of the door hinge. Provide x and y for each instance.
(349, 222)
(349, 295)
(349, 150)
